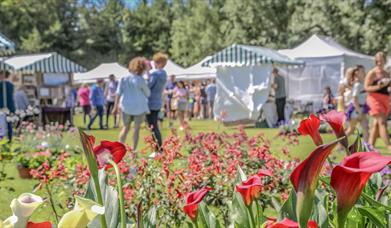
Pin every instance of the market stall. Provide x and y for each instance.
(46, 78)
(325, 64)
(7, 47)
(243, 80)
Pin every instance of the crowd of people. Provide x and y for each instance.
(362, 96)
(146, 94)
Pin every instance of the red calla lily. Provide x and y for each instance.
(39, 225)
(109, 150)
(310, 126)
(250, 189)
(287, 223)
(336, 120)
(192, 201)
(350, 177)
(305, 179)
(264, 172)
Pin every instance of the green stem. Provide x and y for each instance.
(341, 218)
(99, 198)
(52, 202)
(249, 208)
(120, 194)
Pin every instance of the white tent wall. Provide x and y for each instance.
(242, 91)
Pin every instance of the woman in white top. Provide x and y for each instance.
(357, 109)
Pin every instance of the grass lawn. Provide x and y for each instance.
(44, 212)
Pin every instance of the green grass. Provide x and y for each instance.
(44, 212)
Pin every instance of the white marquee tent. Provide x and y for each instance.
(325, 64)
(198, 72)
(101, 71)
(7, 47)
(243, 80)
(173, 69)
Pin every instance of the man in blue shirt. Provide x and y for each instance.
(157, 82)
(211, 91)
(97, 98)
(7, 89)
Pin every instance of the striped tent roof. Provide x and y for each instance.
(45, 63)
(3, 65)
(7, 47)
(246, 55)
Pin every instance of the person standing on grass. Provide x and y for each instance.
(280, 95)
(7, 99)
(156, 83)
(377, 83)
(132, 98)
(211, 91)
(84, 100)
(357, 110)
(182, 95)
(110, 93)
(97, 99)
(170, 112)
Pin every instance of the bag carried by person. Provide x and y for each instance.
(3, 116)
(174, 103)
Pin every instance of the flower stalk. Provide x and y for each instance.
(120, 194)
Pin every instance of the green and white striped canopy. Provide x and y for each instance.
(4, 66)
(7, 47)
(44, 63)
(246, 55)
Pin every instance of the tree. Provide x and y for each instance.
(196, 34)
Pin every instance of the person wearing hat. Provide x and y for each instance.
(97, 98)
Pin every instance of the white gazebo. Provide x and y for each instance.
(325, 64)
(101, 72)
(198, 72)
(173, 69)
(7, 47)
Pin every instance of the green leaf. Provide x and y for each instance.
(110, 200)
(319, 213)
(239, 213)
(288, 209)
(373, 202)
(375, 215)
(357, 145)
(207, 218)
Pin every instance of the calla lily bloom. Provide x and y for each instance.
(305, 179)
(23, 207)
(336, 120)
(250, 189)
(287, 223)
(192, 201)
(83, 213)
(109, 151)
(310, 126)
(39, 225)
(350, 177)
(264, 172)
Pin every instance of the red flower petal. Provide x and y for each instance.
(336, 121)
(39, 225)
(116, 149)
(305, 179)
(264, 172)
(287, 223)
(250, 189)
(350, 177)
(310, 126)
(305, 175)
(192, 201)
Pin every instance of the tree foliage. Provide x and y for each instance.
(91, 31)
